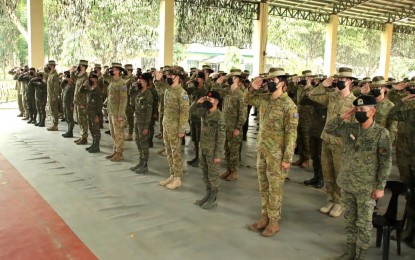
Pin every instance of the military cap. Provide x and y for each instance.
(208, 68)
(200, 74)
(51, 62)
(67, 74)
(319, 76)
(118, 66)
(345, 73)
(193, 69)
(214, 94)
(93, 75)
(392, 81)
(276, 72)
(128, 66)
(411, 83)
(222, 73)
(307, 73)
(145, 76)
(378, 81)
(153, 69)
(165, 68)
(39, 74)
(176, 70)
(246, 72)
(235, 72)
(365, 100)
(366, 80)
(97, 66)
(83, 62)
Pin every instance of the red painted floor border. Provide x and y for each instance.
(29, 227)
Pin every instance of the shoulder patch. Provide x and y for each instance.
(186, 97)
(296, 115)
(124, 88)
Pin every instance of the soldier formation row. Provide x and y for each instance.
(309, 112)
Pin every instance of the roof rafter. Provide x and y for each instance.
(401, 14)
(344, 5)
(361, 23)
(403, 29)
(299, 14)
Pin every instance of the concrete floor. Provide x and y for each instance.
(121, 215)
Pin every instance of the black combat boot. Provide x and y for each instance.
(93, 143)
(95, 146)
(42, 120)
(143, 167)
(30, 118)
(138, 165)
(319, 181)
(205, 198)
(34, 119)
(69, 133)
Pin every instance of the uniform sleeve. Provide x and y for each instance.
(198, 110)
(242, 112)
(255, 98)
(336, 127)
(290, 133)
(160, 85)
(155, 101)
(183, 112)
(384, 159)
(320, 95)
(122, 96)
(100, 104)
(56, 88)
(397, 113)
(149, 110)
(221, 89)
(220, 138)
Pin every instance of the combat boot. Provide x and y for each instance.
(327, 208)
(42, 121)
(30, 119)
(196, 163)
(93, 143)
(110, 156)
(167, 181)
(233, 176)
(161, 151)
(143, 168)
(360, 254)
(95, 147)
(259, 225)
(68, 134)
(191, 162)
(305, 164)
(77, 140)
(25, 118)
(82, 141)
(52, 128)
(211, 202)
(164, 153)
(176, 183)
(205, 198)
(225, 174)
(129, 137)
(117, 157)
(310, 182)
(336, 211)
(272, 229)
(319, 183)
(348, 255)
(34, 119)
(135, 167)
(298, 162)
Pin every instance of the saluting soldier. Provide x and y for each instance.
(41, 98)
(365, 167)
(161, 86)
(212, 140)
(94, 112)
(30, 97)
(155, 114)
(129, 112)
(68, 93)
(53, 94)
(80, 99)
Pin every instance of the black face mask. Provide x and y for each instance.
(169, 81)
(303, 82)
(91, 82)
(196, 83)
(78, 69)
(376, 92)
(230, 81)
(410, 90)
(272, 86)
(361, 116)
(65, 82)
(208, 105)
(341, 84)
(139, 86)
(111, 73)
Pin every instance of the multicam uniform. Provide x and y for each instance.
(80, 101)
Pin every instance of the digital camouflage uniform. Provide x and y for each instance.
(80, 101)
(41, 99)
(154, 116)
(235, 112)
(161, 87)
(117, 103)
(129, 111)
(176, 115)
(68, 93)
(366, 165)
(31, 99)
(54, 90)
(93, 110)
(382, 110)
(143, 115)
(275, 145)
(332, 145)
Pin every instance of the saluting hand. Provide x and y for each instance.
(347, 114)
(408, 98)
(221, 79)
(202, 100)
(328, 82)
(400, 86)
(159, 75)
(257, 83)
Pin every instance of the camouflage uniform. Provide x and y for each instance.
(275, 145)
(365, 167)
(117, 103)
(54, 90)
(24, 80)
(80, 101)
(176, 115)
(154, 116)
(41, 99)
(31, 99)
(235, 111)
(332, 146)
(143, 115)
(382, 110)
(161, 87)
(93, 110)
(129, 111)
(68, 106)
(304, 124)
(19, 95)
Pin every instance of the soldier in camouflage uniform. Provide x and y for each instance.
(176, 115)
(304, 123)
(41, 98)
(129, 112)
(53, 95)
(80, 99)
(196, 90)
(365, 168)
(337, 102)
(275, 146)
(208, 83)
(235, 111)
(143, 114)
(16, 72)
(161, 86)
(117, 103)
(97, 70)
(30, 97)
(94, 111)
(404, 113)
(212, 140)
(68, 93)
(155, 115)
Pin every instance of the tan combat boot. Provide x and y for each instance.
(271, 229)
(117, 157)
(233, 176)
(164, 154)
(305, 164)
(77, 140)
(259, 225)
(110, 156)
(176, 183)
(327, 208)
(129, 137)
(82, 141)
(336, 211)
(161, 151)
(225, 174)
(167, 181)
(298, 162)
(52, 128)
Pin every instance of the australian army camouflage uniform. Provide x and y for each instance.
(212, 140)
(235, 112)
(68, 92)
(404, 113)
(94, 111)
(337, 103)
(275, 145)
(176, 115)
(129, 111)
(161, 87)
(196, 90)
(365, 168)
(80, 99)
(143, 114)
(54, 91)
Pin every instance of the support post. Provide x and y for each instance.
(259, 40)
(166, 33)
(385, 49)
(36, 34)
(331, 46)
